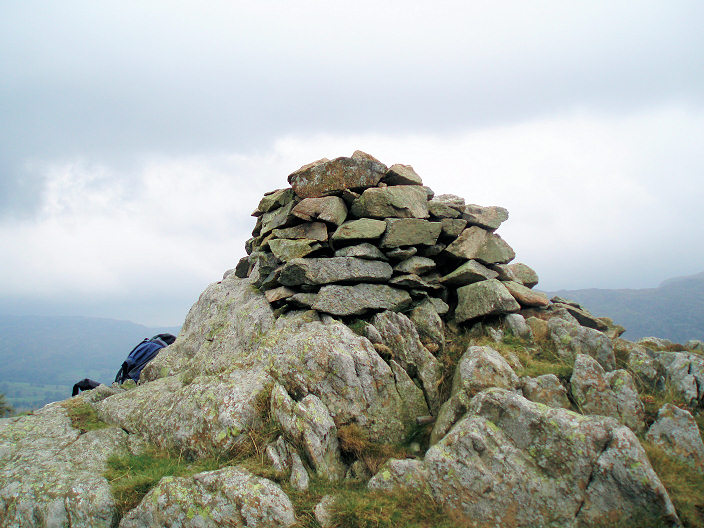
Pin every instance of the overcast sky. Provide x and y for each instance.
(137, 137)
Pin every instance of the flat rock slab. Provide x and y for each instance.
(274, 200)
(316, 271)
(478, 244)
(330, 209)
(362, 229)
(360, 298)
(410, 232)
(401, 201)
(415, 265)
(486, 217)
(468, 273)
(402, 175)
(285, 249)
(326, 177)
(483, 298)
(310, 230)
(364, 250)
(525, 296)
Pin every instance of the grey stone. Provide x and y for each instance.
(304, 300)
(277, 218)
(676, 431)
(323, 513)
(401, 201)
(315, 271)
(434, 250)
(429, 324)
(402, 175)
(411, 281)
(468, 273)
(453, 227)
(440, 305)
(438, 209)
(362, 229)
(415, 265)
(327, 177)
(546, 389)
(573, 339)
(486, 217)
(685, 373)
(278, 294)
(583, 317)
(299, 476)
(364, 251)
(479, 244)
(451, 200)
(525, 296)
(483, 298)
(400, 335)
(524, 274)
(645, 368)
(410, 232)
(286, 250)
(401, 253)
(230, 496)
(274, 200)
(516, 324)
(360, 298)
(310, 230)
(242, 269)
(331, 209)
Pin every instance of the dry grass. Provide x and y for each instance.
(83, 416)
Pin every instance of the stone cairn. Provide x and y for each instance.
(352, 237)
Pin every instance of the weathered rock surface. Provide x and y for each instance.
(51, 473)
(573, 339)
(613, 394)
(478, 244)
(326, 177)
(227, 497)
(415, 265)
(359, 299)
(286, 250)
(401, 201)
(468, 273)
(428, 322)
(685, 373)
(410, 232)
(511, 462)
(546, 389)
(364, 250)
(317, 271)
(525, 296)
(524, 274)
(483, 298)
(357, 230)
(399, 174)
(331, 209)
(486, 217)
(676, 431)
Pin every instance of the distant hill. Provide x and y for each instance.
(674, 310)
(42, 357)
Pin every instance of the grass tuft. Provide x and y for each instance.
(83, 416)
(355, 441)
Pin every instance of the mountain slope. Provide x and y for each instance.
(43, 357)
(674, 310)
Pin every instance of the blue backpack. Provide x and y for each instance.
(142, 354)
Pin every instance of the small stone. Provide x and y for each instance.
(546, 389)
(440, 210)
(310, 230)
(583, 317)
(468, 273)
(402, 175)
(526, 296)
(362, 229)
(451, 200)
(400, 201)
(524, 274)
(483, 298)
(479, 244)
(415, 265)
(440, 306)
(286, 250)
(410, 232)
(276, 218)
(278, 294)
(274, 200)
(364, 251)
(401, 253)
(516, 323)
(299, 476)
(330, 209)
(360, 298)
(453, 227)
(486, 217)
(434, 250)
(242, 268)
(302, 300)
(315, 271)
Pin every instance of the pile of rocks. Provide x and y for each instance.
(353, 236)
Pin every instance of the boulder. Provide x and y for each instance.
(400, 335)
(410, 232)
(453, 227)
(360, 298)
(584, 317)
(439, 209)
(51, 474)
(572, 339)
(327, 177)
(274, 200)
(483, 298)
(612, 394)
(317, 271)
(478, 244)
(310, 427)
(415, 265)
(676, 431)
(516, 324)
(685, 374)
(485, 217)
(644, 367)
(230, 496)
(514, 463)
(401, 201)
(277, 218)
(331, 209)
(402, 175)
(525, 296)
(546, 389)
(429, 324)
(468, 273)
(357, 230)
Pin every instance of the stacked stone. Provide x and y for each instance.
(352, 236)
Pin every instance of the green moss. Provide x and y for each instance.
(83, 416)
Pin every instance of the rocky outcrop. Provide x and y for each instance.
(676, 431)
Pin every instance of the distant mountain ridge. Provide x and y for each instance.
(43, 356)
(674, 310)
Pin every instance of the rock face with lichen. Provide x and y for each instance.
(345, 323)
